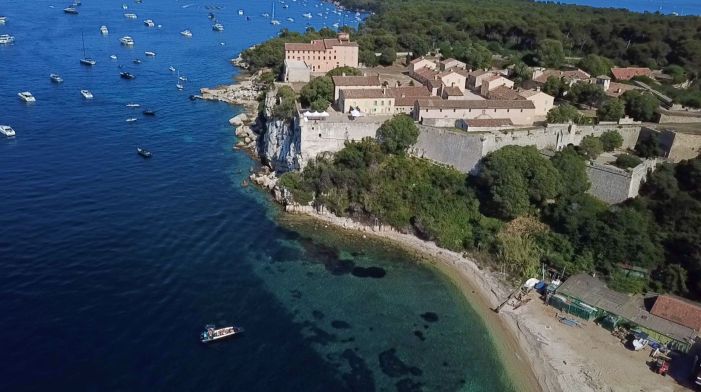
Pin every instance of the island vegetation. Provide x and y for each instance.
(521, 210)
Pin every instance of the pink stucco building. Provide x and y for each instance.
(324, 55)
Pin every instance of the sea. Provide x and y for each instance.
(667, 7)
(112, 264)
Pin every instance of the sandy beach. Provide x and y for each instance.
(540, 353)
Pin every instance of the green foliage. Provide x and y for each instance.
(285, 107)
(626, 161)
(521, 73)
(368, 58)
(319, 105)
(627, 284)
(673, 278)
(591, 147)
(572, 169)
(301, 191)
(565, 113)
(388, 56)
(348, 71)
(611, 140)
(550, 53)
(515, 179)
(520, 254)
(648, 147)
(642, 107)
(595, 65)
(398, 134)
(677, 73)
(320, 88)
(613, 109)
(556, 87)
(587, 93)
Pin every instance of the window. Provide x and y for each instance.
(375, 103)
(382, 103)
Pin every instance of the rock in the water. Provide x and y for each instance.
(238, 120)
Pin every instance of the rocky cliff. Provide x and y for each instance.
(280, 143)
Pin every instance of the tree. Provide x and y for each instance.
(319, 105)
(388, 56)
(318, 88)
(555, 86)
(649, 147)
(563, 114)
(367, 58)
(595, 65)
(573, 171)
(627, 161)
(348, 71)
(677, 73)
(521, 72)
(591, 147)
(673, 278)
(550, 53)
(613, 109)
(587, 94)
(642, 107)
(398, 134)
(285, 107)
(520, 254)
(515, 178)
(611, 140)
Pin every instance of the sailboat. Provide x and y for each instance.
(179, 85)
(86, 60)
(274, 21)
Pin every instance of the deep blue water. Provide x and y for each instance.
(680, 7)
(111, 264)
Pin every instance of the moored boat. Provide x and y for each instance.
(133, 105)
(150, 54)
(6, 39)
(136, 61)
(143, 152)
(126, 75)
(3, 19)
(240, 12)
(7, 130)
(113, 56)
(132, 119)
(71, 10)
(103, 30)
(171, 68)
(26, 96)
(218, 27)
(149, 112)
(56, 78)
(126, 41)
(186, 33)
(149, 23)
(86, 94)
(130, 16)
(211, 333)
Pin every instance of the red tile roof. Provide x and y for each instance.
(678, 310)
(630, 72)
(452, 91)
(569, 75)
(437, 103)
(505, 93)
(339, 81)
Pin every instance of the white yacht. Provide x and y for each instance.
(130, 16)
(86, 94)
(150, 54)
(26, 96)
(240, 12)
(127, 41)
(132, 119)
(186, 33)
(3, 19)
(171, 68)
(218, 27)
(56, 78)
(113, 57)
(125, 7)
(308, 15)
(6, 39)
(103, 30)
(149, 23)
(290, 19)
(7, 130)
(133, 105)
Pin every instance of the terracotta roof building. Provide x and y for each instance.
(325, 54)
(678, 310)
(373, 101)
(354, 83)
(445, 113)
(630, 72)
(570, 76)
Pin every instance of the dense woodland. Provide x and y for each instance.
(521, 210)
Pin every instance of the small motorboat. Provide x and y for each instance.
(126, 75)
(150, 54)
(186, 33)
(149, 23)
(86, 94)
(179, 86)
(127, 41)
(71, 10)
(131, 119)
(240, 12)
(113, 57)
(136, 61)
(133, 105)
(171, 68)
(130, 16)
(103, 30)
(143, 152)
(183, 78)
(149, 112)
(211, 333)
(6, 39)
(7, 130)
(218, 27)
(26, 96)
(3, 19)
(56, 78)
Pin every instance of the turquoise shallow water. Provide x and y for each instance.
(112, 264)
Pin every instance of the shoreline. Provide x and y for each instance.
(515, 343)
